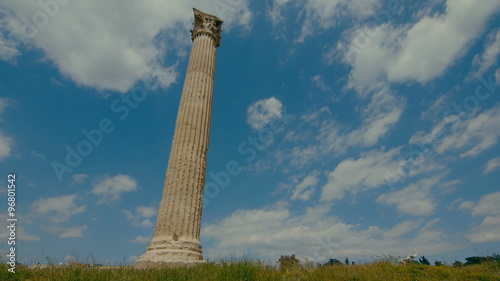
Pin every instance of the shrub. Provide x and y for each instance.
(478, 260)
(439, 263)
(423, 260)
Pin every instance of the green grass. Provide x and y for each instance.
(247, 270)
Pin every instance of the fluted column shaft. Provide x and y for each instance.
(185, 179)
(177, 234)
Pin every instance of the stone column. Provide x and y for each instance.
(177, 235)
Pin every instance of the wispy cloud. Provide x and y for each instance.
(69, 232)
(37, 154)
(318, 82)
(317, 135)
(416, 199)
(141, 239)
(275, 230)
(262, 112)
(142, 216)
(6, 144)
(111, 188)
(80, 178)
(60, 208)
(21, 232)
(301, 187)
(483, 62)
(114, 52)
(419, 52)
(471, 134)
(320, 15)
(354, 175)
(492, 165)
(8, 49)
(489, 229)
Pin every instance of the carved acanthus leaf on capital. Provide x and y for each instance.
(207, 24)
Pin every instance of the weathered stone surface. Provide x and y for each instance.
(177, 235)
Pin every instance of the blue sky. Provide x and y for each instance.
(358, 128)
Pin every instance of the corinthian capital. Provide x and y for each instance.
(206, 24)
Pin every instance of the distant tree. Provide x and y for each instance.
(333, 262)
(288, 262)
(478, 260)
(347, 261)
(458, 264)
(423, 260)
(439, 263)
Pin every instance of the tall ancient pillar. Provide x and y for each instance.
(177, 235)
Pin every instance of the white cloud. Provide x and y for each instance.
(6, 144)
(37, 154)
(61, 208)
(274, 230)
(141, 239)
(275, 12)
(465, 205)
(56, 82)
(142, 216)
(438, 107)
(80, 178)
(234, 13)
(487, 205)
(305, 189)
(300, 156)
(69, 232)
(355, 175)
(21, 233)
(489, 229)
(492, 165)
(263, 111)
(146, 212)
(4, 102)
(315, 116)
(323, 136)
(383, 112)
(484, 61)
(368, 61)
(472, 134)
(318, 82)
(415, 199)
(379, 116)
(8, 48)
(24, 236)
(109, 45)
(323, 14)
(414, 52)
(110, 189)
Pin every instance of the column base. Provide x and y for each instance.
(167, 252)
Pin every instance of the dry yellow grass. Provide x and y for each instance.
(247, 270)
